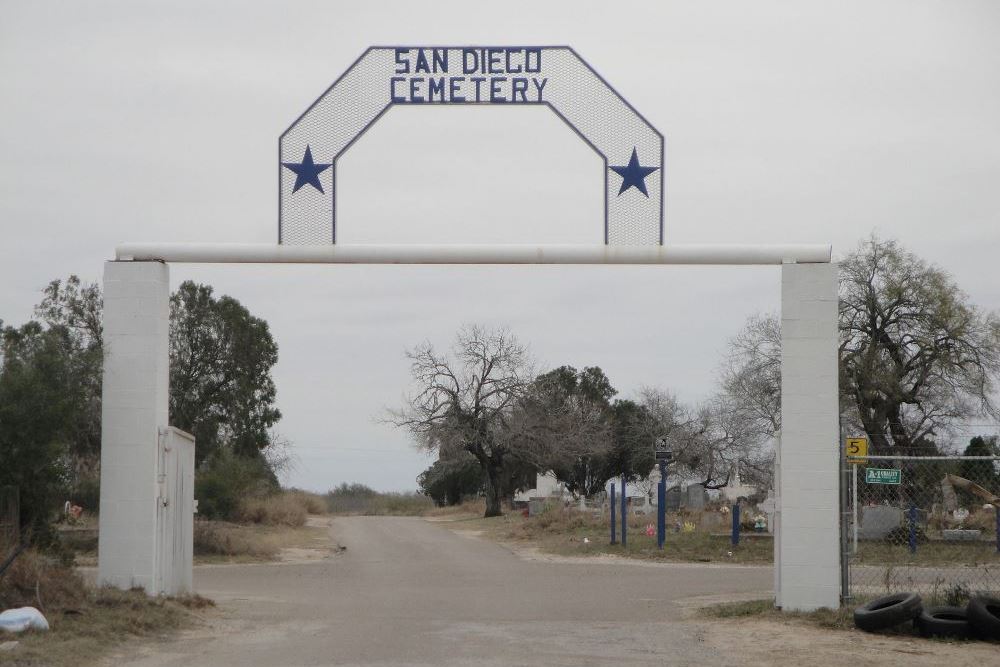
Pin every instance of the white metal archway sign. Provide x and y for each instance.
(553, 76)
(135, 480)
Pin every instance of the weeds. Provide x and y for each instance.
(834, 619)
(360, 499)
(85, 622)
(313, 503)
(568, 531)
(475, 507)
(281, 509)
(216, 538)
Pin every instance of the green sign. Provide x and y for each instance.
(882, 476)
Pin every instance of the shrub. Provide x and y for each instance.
(360, 499)
(350, 498)
(957, 595)
(403, 504)
(312, 503)
(87, 493)
(36, 580)
(281, 509)
(225, 481)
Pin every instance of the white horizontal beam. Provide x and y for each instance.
(245, 253)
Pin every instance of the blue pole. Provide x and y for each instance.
(661, 507)
(736, 524)
(614, 533)
(624, 513)
(913, 528)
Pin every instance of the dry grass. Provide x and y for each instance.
(570, 532)
(290, 507)
(282, 509)
(85, 622)
(38, 581)
(221, 542)
(832, 619)
(474, 507)
(359, 499)
(929, 553)
(218, 538)
(313, 503)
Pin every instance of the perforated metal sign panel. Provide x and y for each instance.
(554, 76)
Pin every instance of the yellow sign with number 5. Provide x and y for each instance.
(857, 450)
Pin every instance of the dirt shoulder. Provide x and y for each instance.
(768, 641)
(95, 622)
(221, 543)
(84, 622)
(758, 636)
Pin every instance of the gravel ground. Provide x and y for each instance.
(411, 592)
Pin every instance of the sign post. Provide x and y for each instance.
(611, 504)
(857, 452)
(854, 504)
(663, 457)
(624, 514)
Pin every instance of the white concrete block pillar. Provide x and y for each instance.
(134, 406)
(807, 547)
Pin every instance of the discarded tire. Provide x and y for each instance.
(944, 622)
(984, 616)
(885, 612)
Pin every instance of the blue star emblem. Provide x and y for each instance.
(307, 172)
(633, 175)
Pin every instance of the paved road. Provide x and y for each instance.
(409, 592)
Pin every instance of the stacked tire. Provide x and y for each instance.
(888, 612)
(984, 617)
(980, 618)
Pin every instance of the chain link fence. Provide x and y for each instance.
(923, 524)
(10, 526)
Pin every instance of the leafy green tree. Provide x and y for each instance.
(565, 426)
(452, 479)
(983, 473)
(74, 308)
(221, 388)
(38, 413)
(634, 430)
(227, 479)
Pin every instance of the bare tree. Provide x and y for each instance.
(711, 441)
(466, 399)
(915, 355)
(726, 440)
(749, 399)
(750, 376)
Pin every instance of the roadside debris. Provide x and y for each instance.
(22, 618)
(980, 618)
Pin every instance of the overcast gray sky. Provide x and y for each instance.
(784, 122)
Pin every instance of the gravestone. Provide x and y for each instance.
(768, 507)
(961, 535)
(695, 497)
(878, 521)
(673, 498)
